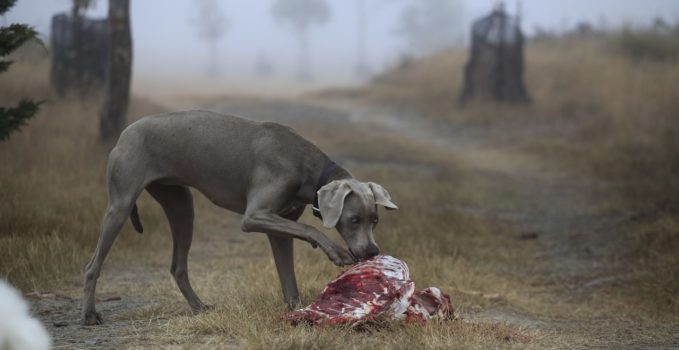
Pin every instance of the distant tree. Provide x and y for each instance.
(120, 70)
(264, 67)
(298, 16)
(660, 26)
(364, 9)
(430, 25)
(11, 38)
(362, 68)
(211, 26)
(78, 6)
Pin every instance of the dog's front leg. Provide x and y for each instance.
(272, 224)
(283, 255)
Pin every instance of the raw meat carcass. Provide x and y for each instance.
(377, 289)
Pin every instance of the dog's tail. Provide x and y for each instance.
(136, 222)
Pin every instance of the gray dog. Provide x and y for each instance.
(262, 170)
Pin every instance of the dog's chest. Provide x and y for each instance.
(291, 208)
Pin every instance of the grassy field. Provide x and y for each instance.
(54, 195)
(53, 189)
(52, 182)
(620, 131)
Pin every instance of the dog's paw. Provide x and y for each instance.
(91, 319)
(294, 304)
(202, 308)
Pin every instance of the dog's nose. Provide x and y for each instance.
(372, 250)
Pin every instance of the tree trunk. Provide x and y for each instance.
(119, 71)
(213, 70)
(304, 72)
(362, 68)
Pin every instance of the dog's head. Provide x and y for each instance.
(351, 207)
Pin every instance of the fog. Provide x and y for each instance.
(170, 58)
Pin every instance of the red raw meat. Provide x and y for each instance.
(373, 290)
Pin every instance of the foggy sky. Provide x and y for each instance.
(165, 41)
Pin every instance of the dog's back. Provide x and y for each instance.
(215, 153)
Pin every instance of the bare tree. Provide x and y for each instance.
(119, 72)
(364, 9)
(264, 67)
(430, 25)
(298, 16)
(362, 68)
(211, 26)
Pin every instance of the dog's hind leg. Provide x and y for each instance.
(122, 196)
(283, 254)
(177, 203)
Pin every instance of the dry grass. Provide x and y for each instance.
(51, 184)
(253, 322)
(619, 120)
(443, 249)
(53, 197)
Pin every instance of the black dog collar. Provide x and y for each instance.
(329, 167)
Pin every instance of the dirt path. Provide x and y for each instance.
(548, 202)
(547, 206)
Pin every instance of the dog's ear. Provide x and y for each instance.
(331, 201)
(382, 197)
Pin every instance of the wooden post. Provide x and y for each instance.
(119, 72)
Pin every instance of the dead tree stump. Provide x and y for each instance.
(494, 71)
(79, 48)
(119, 71)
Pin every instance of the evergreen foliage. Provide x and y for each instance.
(11, 38)
(11, 119)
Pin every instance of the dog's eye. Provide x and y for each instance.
(355, 219)
(376, 220)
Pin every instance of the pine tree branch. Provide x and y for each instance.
(12, 37)
(5, 5)
(12, 119)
